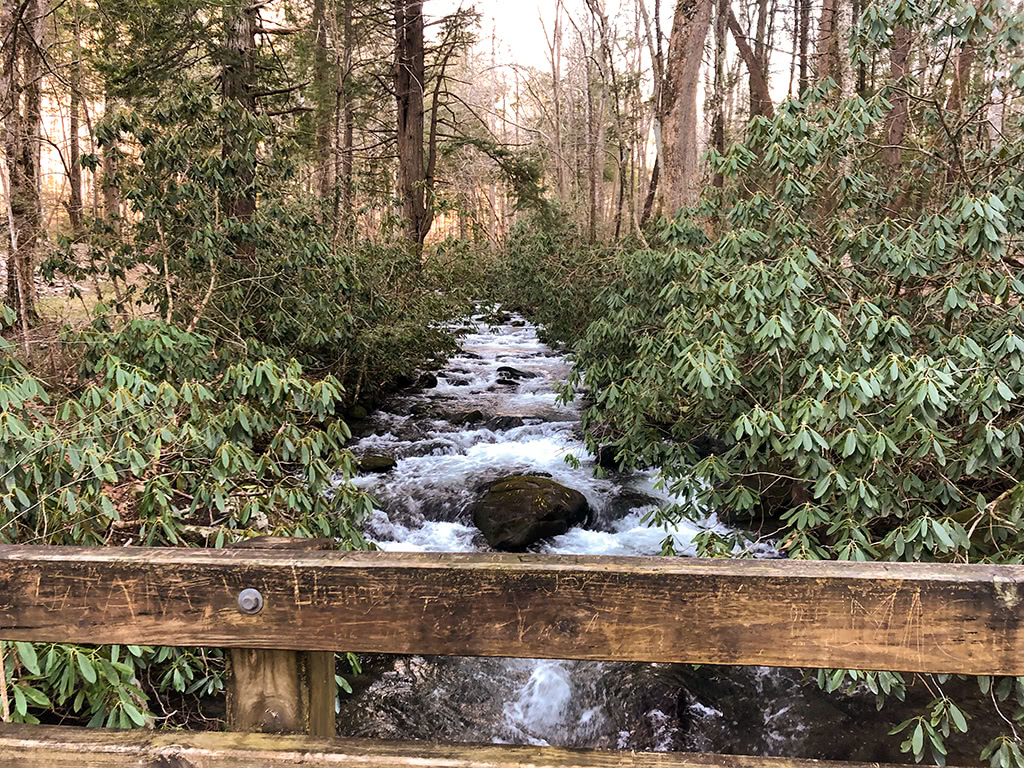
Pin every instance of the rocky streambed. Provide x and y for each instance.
(453, 464)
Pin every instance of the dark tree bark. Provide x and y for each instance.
(324, 93)
(75, 161)
(722, 10)
(237, 76)
(760, 95)
(896, 120)
(345, 156)
(109, 183)
(22, 106)
(826, 53)
(862, 70)
(962, 71)
(410, 75)
(759, 105)
(803, 34)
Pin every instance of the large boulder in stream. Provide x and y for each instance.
(517, 511)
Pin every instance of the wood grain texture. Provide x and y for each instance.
(275, 691)
(906, 617)
(51, 747)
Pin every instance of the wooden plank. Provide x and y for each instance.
(52, 747)
(907, 617)
(274, 691)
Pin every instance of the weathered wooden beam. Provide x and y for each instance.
(907, 617)
(52, 747)
(274, 691)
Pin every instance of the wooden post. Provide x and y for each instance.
(282, 691)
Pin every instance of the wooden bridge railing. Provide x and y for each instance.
(900, 617)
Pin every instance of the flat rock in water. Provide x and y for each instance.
(469, 417)
(518, 511)
(499, 423)
(508, 372)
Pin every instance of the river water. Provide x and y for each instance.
(480, 423)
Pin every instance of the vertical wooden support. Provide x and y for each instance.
(282, 691)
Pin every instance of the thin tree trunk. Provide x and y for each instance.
(896, 120)
(555, 59)
(111, 188)
(324, 94)
(804, 40)
(962, 71)
(718, 96)
(658, 66)
(75, 171)
(862, 70)
(592, 159)
(760, 95)
(349, 120)
(759, 105)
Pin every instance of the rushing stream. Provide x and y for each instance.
(479, 423)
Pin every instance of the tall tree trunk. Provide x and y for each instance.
(409, 75)
(962, 71)
(722, 10)
(346, 156)
(759, 105)
(760, 95)
(75, 170)
(862, 69)
(592, 152)
(555, 59)
(111, 188)
(804, 35)
(896, 120)
(658, 100)
(826, 53)
(679, 136)
(22, 103)
(239, 145)
(325, 96)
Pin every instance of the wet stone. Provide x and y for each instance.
(376, 463)
(499, 423)
(469, 417)
(518, 511)
(426, 381)
(508, 372)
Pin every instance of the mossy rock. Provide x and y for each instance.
(376, 464)
(518, 511)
